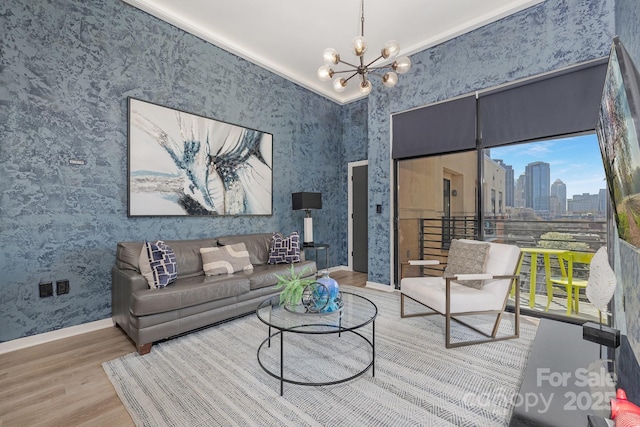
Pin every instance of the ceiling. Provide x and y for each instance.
(289, 36)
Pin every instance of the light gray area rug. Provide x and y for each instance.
(212, 377)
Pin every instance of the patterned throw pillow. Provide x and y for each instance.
(225, 259)
(467, 258)
(284, 250)
(158, 264)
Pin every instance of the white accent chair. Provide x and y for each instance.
(447, 297)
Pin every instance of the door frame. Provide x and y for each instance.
(351, 165)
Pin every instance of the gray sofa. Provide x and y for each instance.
(194, 300)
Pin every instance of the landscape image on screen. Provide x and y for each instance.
(617, 130)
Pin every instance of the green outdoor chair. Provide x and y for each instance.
(568, 279)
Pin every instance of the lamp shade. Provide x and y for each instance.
(306, 201)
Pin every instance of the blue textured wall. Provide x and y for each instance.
(354, 149)
(546, 37)
(66, 69)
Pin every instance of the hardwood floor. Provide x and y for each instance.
(62, 383)
(351, 278)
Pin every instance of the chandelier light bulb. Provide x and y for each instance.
(330, 56)
(325, 73)
(359, 46)
(402, 65)
(390, 79)
(390, 49)
(365, 87)
(339, 85)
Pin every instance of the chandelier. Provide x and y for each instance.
(359, 46)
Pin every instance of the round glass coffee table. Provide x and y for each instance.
(311, 344)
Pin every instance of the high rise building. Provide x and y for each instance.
(558, 200)
(519, 192)
(537, 187)
(602, 202)
(509, 184)
(494, 186)
(584, 203)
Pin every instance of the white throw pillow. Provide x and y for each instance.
(225, 259)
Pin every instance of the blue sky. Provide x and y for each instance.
(575, 160)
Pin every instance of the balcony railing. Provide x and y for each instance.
(585, 235)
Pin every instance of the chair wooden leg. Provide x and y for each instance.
(496, 325)
(490, 337)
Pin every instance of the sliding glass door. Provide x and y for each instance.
(435, 204)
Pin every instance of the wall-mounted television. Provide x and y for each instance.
(617, 129)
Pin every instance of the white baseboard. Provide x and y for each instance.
(46, 337)
(71, 331)
(379, 286)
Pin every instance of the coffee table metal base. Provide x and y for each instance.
(280, 376)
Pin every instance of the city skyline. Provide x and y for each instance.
(575, 160)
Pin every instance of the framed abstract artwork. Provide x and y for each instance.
(182, 164)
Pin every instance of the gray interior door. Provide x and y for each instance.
(360, 219)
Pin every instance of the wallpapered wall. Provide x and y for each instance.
(354, 139)
(66, 70)
(546, 37)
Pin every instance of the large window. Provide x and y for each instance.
(556, 207)
(549, 180)
(548, 197)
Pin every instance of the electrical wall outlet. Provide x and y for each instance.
(62, 287)
(46, 289)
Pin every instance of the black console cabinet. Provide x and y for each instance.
(562, 383)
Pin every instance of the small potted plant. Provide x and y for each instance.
(293, 286)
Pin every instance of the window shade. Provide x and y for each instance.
(557, 104)
(440, 128)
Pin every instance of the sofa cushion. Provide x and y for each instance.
(467, 257)
(186, 293)
(265, 275)
(158, 264)
(187, 253)
(284, 250)
(257, 245)
(225, 259)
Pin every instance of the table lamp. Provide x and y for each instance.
(306, 202)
